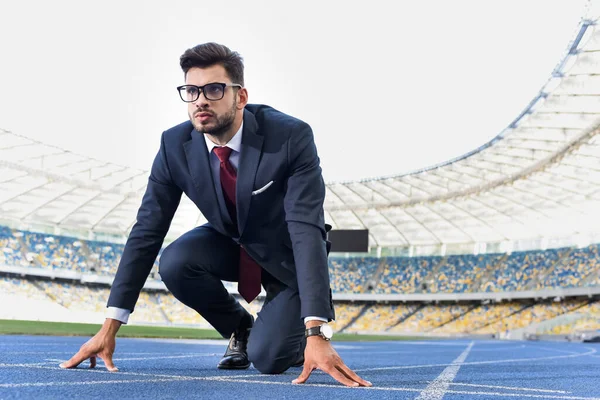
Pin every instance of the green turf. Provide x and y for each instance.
(12, 327)
(71, 329)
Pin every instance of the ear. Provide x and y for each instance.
(242, 98)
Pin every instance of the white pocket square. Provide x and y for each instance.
(262, 189)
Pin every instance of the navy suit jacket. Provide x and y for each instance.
(282, 228)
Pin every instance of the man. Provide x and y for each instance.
(254, 173)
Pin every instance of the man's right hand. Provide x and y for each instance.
(101, 345)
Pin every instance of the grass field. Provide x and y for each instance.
(12, 327)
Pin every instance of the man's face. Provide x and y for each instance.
(214, 117)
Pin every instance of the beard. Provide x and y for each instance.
(219, 125)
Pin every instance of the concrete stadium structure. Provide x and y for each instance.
(536, 184)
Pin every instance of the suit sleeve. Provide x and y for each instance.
(159, 203)
(306, 224)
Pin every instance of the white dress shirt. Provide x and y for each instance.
(121, 314)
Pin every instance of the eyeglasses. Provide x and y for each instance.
(212, 91)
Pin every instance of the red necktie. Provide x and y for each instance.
(250, 272)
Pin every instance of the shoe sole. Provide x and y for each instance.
(234, 367)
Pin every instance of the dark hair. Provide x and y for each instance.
(208, 54)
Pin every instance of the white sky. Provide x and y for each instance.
(387, 86)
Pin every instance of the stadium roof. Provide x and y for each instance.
(540, 177)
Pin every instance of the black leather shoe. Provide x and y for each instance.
(236, 355)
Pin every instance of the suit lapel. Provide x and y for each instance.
(199, 166)
(249, 158)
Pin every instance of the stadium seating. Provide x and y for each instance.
(405, 275)
(74, 296)
(479, 317)
(155, 307)
(534, 313)
(350, 275)
(10, 248)
(344, 314)
(105, 257)
(530, 270)
(586, 318)
(178, 313)
(460, 273)
(380, 317)
(430, 317)
(517, 271)
(9, 285)
(55, 252)
(579, 264)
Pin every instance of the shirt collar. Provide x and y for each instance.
(235, 143)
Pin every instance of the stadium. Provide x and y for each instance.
(500, 244)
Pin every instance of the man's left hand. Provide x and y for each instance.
(319, 353)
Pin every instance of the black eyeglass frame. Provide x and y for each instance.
(200, 90)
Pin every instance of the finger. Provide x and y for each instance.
(108, 362)
(341, 378)
(77, 359)
(93, 362)
(343, 368)
(304, 375)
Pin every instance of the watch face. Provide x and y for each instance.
(327, 331)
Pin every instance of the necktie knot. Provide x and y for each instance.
(223, 153)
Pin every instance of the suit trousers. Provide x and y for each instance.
(193, 268)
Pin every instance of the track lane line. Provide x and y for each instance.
(438, 388)
(592, 351)
(403, 389)
(510, 388)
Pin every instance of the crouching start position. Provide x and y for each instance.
(254, 174)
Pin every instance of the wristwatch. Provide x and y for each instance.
(325, 331)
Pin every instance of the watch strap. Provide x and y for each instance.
(314, 331)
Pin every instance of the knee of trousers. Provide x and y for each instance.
(268, 357)
(170, 267)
